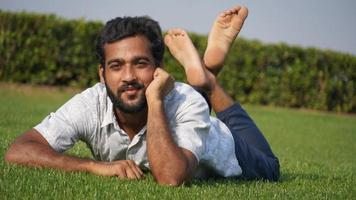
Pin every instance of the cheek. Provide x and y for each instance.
(147, 77)
(112, 83)
(112, 78)
(148, 80)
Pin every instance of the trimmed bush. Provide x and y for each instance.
(45, 49)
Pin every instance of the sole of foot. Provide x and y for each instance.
(182, 48)
(225, 29)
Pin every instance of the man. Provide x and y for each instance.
(138, 119)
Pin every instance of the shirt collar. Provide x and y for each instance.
(109, 118)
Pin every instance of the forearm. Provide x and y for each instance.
(167, 161)
(32, 149)
(32, 153)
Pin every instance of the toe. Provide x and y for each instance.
(179, 31)
(236, 9)
(243, 12)
(170, 32)
(167, 39)
(173, 31)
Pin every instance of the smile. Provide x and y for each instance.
(131, 91)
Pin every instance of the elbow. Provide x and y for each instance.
(15, 154)
(24, 148)
(173, 178)
(10, 156)
(7, 158)
(170, 181)
(174, 173)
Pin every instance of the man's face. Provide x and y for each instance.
(129, 68)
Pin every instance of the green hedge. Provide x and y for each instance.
(45, 49)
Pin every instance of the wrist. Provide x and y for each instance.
(91, 166)
(154, 100)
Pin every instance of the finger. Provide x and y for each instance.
(156, 72)
(131, 174)
(139, 171)
(136, 169)
(122, 173)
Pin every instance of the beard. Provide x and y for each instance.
(120, 104)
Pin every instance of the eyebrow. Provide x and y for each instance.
(115, 60)
(120, 60)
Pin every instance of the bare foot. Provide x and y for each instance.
(224, 31)
(182, 48)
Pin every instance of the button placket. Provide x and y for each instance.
(137, 139)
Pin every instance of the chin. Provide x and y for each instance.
(133, 106)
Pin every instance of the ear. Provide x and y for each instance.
(101, 73)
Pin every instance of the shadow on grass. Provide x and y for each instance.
(290, 177)
(285, 178)
(221, 181)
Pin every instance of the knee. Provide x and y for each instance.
(274, 174)
(268, 170)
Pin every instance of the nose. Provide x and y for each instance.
(128, 74)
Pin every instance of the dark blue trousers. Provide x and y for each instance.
(251, 148)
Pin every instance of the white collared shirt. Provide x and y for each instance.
(89, 117)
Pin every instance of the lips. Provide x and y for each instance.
(130, 91)
(131, 88)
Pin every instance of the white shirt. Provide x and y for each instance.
(89, 117)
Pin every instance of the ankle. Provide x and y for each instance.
(214, 59)
(204, 86)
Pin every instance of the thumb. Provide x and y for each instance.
(156, 73)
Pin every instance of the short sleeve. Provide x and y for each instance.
(191, 125)
(69, 123)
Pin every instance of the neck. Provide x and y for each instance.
(131, 123)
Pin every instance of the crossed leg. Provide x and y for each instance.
(252, 149)
(182, 48)
(225, 29)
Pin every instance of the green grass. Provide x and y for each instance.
(316, 151)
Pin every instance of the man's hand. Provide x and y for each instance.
(169, 164)
(32, 149)
(161, 85)
(122, 169)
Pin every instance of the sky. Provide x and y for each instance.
(325, 24)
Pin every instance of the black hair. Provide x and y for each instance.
(123, 27)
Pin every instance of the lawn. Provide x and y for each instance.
(316, 151)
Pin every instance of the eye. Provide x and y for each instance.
(115, 66)
(142, 63)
